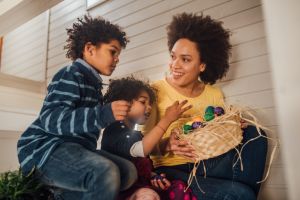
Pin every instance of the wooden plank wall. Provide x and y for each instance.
(18, 109)
(24, 49)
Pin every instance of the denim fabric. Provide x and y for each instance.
(223, 181)
(77, 173)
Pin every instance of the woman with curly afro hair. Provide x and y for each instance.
(199, 56)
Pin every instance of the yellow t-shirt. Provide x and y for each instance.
(166, 95)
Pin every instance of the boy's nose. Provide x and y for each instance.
(116, 59)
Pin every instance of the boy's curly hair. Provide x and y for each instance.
(211, 38)
(94, 30)
(128, 89)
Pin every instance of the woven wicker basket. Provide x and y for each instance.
(217, 137)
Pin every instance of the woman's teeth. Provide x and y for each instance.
(177, 73)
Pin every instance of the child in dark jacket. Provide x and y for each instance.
(121, 139)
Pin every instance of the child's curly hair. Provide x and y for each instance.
(94, 30)
(128, 89)
(211, 38)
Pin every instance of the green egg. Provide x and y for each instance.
(209, 117)
(210, 110)
(187, 128)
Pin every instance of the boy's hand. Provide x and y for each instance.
(176, 110)
(120, 109)
(160, 182)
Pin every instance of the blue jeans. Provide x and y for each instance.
(77, 173)
(223, 181)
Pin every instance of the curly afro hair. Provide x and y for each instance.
(128, 89)
(212, 42)
(94, 30)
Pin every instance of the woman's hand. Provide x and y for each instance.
(160, 182)
(180, 147)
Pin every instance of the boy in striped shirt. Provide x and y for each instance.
(60, 145)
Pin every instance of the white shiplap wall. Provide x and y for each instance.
(24, 49)
(247, 83)
(18, 109)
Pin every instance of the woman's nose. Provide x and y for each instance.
(174, 63)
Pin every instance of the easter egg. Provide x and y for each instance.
(187, 128)
(209, 116)
(189, 123)
(197, 119)
(210, 110)
(219, 111)
(196, 125)
(158, 177)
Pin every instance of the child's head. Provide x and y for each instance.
(201, 43)
(97, 41)
(139, 93)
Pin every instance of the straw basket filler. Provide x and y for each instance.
(217, 136)
(219, 133)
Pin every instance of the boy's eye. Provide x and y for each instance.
(113, 52)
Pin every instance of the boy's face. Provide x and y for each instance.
(140, 109)
(104, 57)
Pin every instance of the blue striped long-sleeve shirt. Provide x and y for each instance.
(72, 112)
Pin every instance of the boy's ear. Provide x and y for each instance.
(88, 48)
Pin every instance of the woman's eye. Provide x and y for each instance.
(186, 60)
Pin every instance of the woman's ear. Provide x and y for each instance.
(202, 67)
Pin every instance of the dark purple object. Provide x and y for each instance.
(219, 111)
(196, 125)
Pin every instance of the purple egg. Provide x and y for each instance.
(196, 125)
(219, 111)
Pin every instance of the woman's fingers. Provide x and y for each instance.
(190, 156)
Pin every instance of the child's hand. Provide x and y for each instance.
(160, 182)
(176, 110)
(120, 109)
(244, 124)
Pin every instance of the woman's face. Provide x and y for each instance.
(185, 64)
